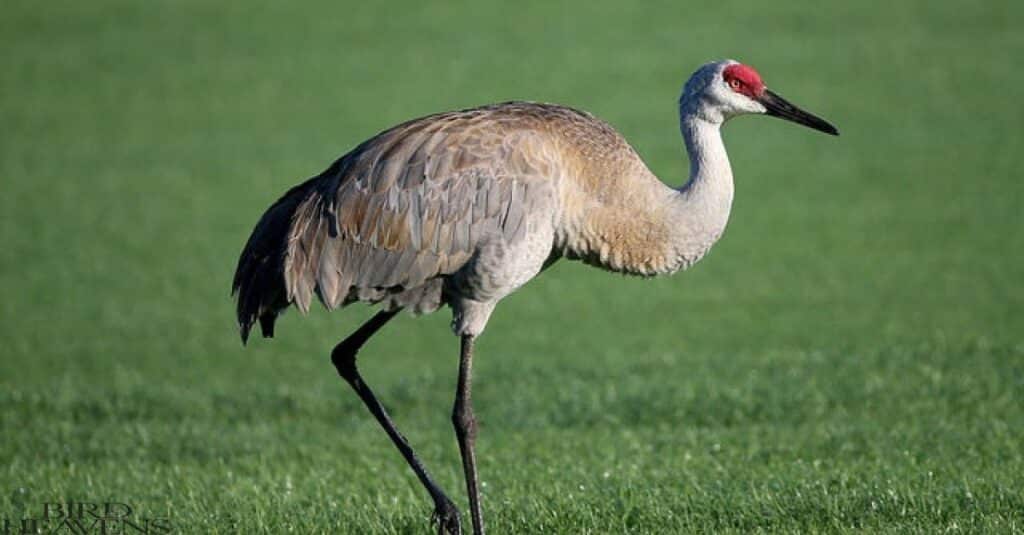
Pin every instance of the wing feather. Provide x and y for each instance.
(407, 206)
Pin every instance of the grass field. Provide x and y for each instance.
(850, 357)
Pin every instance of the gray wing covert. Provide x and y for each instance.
(409, 205)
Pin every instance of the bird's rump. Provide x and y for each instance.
(386, 220)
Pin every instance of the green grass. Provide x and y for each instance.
(850, 357)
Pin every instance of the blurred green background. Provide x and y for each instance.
(849, 357)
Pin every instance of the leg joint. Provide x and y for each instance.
(343, 356)
(464, 420)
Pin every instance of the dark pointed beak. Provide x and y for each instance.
(780, 107)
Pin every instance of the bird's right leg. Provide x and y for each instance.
(344, 358)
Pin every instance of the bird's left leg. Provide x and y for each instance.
(344, 358)
(465, 429)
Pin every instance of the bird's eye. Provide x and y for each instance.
(735, 84)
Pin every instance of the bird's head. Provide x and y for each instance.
(722, 90)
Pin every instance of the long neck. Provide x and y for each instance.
(700, 208)
(632, 222)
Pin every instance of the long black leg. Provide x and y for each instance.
(344, 358)
(465, 430)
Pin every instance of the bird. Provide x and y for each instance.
(462, 208)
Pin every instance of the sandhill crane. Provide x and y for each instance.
(462, 208)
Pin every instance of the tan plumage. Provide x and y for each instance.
(390, 219)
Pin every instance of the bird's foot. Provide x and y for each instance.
(447, 518)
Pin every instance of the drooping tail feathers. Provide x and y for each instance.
(259, 281)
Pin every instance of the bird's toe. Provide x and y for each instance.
(447, 518)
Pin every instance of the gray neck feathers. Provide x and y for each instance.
(700, 208)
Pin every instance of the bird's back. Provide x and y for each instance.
(410, 206)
